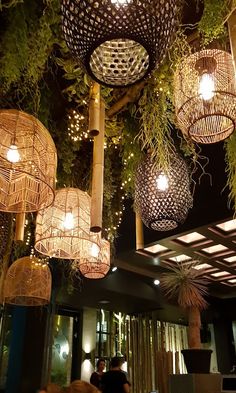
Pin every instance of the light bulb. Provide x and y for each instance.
(120, 2)
(206, 87)
(162, 182)
(69, 221)
(156, 282)
(94, 250)
(13, 154)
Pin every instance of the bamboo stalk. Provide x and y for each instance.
(94, 109)
(139, 232)
(232, 36)
(98, 173)
(20, 226)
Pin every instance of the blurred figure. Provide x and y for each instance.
(96, 376)
(115, 381)
(79, 386)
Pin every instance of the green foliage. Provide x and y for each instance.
(9, 3)
(211, 25)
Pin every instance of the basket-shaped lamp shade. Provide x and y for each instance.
(119, 41)
(63, 229)
(28, 283)
(205, 96)
(28, 162)
(95, 267)
(162, 199)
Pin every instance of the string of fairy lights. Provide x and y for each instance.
(78, 132)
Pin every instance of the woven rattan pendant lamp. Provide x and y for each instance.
(119, 41)
(95, 267)
(205, 96)
(28, 161)
(28, 282)
(63, 229)
(162, 199)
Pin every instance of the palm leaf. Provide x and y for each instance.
(186, 284)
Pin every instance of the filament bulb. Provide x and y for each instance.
(69, 221)
(94, 250)
(206, 87)
(13, 154)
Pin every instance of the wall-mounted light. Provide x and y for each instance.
(114, 269)
(87, 356)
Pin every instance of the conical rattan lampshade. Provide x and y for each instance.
(119, 41)
(28, 161)
(205, 96)
(63, 229)
(163, 199)
(95, 267)
(28, 283)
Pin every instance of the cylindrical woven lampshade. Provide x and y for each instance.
(119, 41)
(162, 200)
(205, 96)
(28, 283)
(28, 162)
(95, 267)
(63, 229)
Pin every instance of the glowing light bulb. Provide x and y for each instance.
(94, 250)
(206, 87)
(69, 221)
(120, 2)
(162, 182)
(13, 154)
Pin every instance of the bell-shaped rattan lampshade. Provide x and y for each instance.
(63, 229)
(28, 282)
(205, 96)
(119, 41)
(162, 199)
(28, 161)
(95, 267)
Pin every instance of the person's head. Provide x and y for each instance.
(51, 388)
(116, 362)
(79, 386)
(101, 364)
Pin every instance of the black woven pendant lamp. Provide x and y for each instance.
(119, 41)
(163, 198)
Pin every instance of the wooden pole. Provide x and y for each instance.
(20, 226)
(94, 109)
(139, 232)
(97, 178)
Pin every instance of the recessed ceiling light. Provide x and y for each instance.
(214, 249)
(230, 259)
(114, 268)
(104, 301)
(202, 266)
(191, 237)
(156, 282)
(155, 248)
(220, 274)
(180, 258)
(233, 281)
(227, 226)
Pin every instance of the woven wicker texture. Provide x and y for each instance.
(206, 109)
(95, 267)
(28, 283)
(63, 229)
(162, 200)
(119, 42)
(26, 185)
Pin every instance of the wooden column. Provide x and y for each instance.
(94, 109)
(139, 232)
(97, 178)
(232, 36)
(20, 226)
